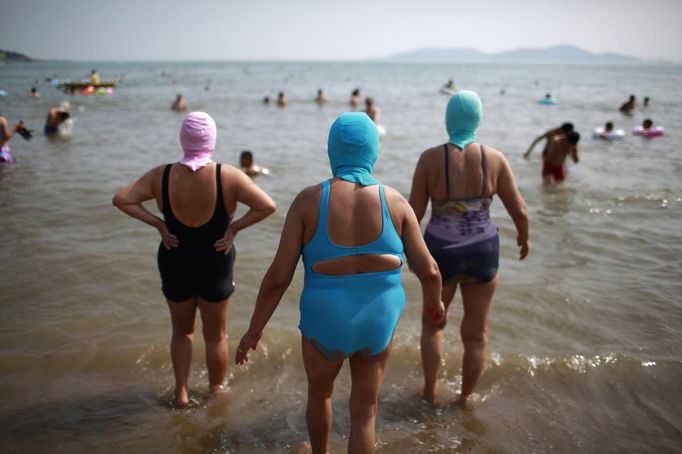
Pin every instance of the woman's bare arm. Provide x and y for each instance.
(420, 260)
(514, 204)
(250, 194)
(277, 278)
(129, 200)
(419, 194)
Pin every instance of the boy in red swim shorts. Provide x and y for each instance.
(553, 170)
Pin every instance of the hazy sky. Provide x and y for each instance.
(331, 30)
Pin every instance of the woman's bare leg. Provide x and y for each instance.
(214, 321)
(477, 300)
(321, 374)
(182, 318)
(432, 347)
(367, 373)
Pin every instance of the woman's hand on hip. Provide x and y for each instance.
(224, 244)
(169, 240)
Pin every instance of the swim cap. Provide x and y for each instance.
(197, 137)
(353, 148)
(462, 117)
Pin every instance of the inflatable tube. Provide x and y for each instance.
(614, 134)
(656, 131)
(548, 101)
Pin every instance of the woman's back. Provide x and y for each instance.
(192, 194)
(352, 230)
(469, 173)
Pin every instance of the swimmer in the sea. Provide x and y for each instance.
(647, 125)
(548, 136)
(371, 109)
(608, 129)
(5, 134)
(646, 101)
(282, 99)
(55, 117)
(560, 147)
(320, 98)
(629, 106)
(355, 98)
(249, 167)
(179, 104)
(33, 92)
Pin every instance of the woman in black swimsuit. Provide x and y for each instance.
(198, 199)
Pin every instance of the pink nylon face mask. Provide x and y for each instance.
(197, 137)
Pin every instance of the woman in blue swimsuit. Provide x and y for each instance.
(352, 232)
(460, 178)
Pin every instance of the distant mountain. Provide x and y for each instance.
(554, 54)
(7, 56)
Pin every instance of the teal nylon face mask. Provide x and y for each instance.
(462, 117)
(353, 148)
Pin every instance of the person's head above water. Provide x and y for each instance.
(246, 158)
(608, 126)
(369, 101)
(198, 137)
(548, 95)
(567, 127)
(462, 117)
(353, 148)
(646, 124)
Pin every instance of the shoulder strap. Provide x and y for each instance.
(219, 186)
(447, 172)
(322, 215)
(384, 206)
(484, 167)
(164, 191)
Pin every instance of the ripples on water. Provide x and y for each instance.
(584, 337)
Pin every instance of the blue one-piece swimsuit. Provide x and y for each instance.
(354, 313)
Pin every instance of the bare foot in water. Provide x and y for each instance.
(429, 399)
(217, 389)
(181, 399)
(467, 402)
(429, 396)
(304, 448)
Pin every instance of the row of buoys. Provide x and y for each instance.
(101, 91)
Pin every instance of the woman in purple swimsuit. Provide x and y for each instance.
(460, 179)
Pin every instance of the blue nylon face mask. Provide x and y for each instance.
(462, 117)
(353, 148)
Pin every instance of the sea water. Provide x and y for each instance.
(585, 334)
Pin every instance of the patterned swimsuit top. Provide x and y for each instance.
(464, 220)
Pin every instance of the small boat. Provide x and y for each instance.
(71, 86)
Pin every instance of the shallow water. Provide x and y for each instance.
(584, 337)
